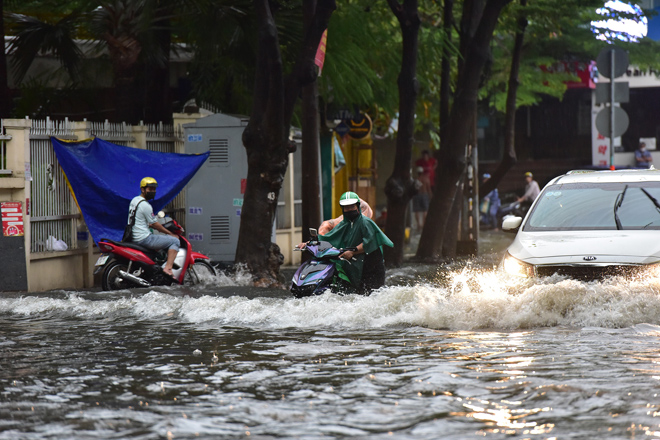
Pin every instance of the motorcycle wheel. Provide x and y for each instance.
(198, 272)
(110, 280)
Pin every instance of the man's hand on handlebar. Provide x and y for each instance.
(347, 255)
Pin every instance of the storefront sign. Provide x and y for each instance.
(360, 126)
(12, 219)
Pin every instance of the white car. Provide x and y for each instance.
(589, 225)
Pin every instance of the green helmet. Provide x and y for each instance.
(349, 198)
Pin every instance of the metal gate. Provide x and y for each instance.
(53, 209)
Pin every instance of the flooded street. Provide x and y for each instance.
(452, 353)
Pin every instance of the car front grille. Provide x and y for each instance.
(587, 273)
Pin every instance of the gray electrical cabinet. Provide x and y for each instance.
(214, 196)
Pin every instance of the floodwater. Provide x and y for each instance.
(456, 352)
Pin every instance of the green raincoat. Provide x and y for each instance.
(350, 234)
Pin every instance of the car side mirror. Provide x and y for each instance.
(511, 223)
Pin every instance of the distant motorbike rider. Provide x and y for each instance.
(367, 271)
(532, 190)
(145, 219)
(522, 204)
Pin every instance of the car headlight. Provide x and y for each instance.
(514, 266)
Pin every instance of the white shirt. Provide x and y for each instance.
(143, 218)
(532, 191)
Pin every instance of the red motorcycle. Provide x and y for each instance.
(124, 265)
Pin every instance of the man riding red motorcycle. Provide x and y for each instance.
(139, 259)
(141, 216)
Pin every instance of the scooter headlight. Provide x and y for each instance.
(514, 266)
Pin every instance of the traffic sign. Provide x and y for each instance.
(342, 128)
(604, 62)
(604, 92)
(604, 117)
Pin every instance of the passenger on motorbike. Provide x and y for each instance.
(327, 225)
(145, 219)
(367, 271)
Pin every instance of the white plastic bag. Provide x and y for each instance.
(53, 244)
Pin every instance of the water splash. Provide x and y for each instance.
(465, 299)
(239, 276)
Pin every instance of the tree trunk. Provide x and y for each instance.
(509, 159)
(158, 105)
(266, 138)
(450, 241)
(124, 52)
(400, 187)
(445, 75)
(311, 145)
(461, 119)
(5, 94)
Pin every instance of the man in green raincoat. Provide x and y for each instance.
(363, 269)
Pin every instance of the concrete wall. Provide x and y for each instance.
(15, 187)
(63, 271)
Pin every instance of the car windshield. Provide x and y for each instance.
(596, 206)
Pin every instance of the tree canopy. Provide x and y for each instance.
(362, 61)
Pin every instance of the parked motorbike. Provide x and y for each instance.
(319, 274)
(515, 208)
(125, 265)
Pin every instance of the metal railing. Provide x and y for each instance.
(53, 211)
(164, 137)
(118, 133)
(48, 127)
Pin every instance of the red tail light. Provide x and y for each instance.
(105, 247)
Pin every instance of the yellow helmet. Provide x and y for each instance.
(148, 181)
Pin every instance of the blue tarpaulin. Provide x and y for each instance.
(104, 177)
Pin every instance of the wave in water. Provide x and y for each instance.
(464, 300)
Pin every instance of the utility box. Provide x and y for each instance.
(214, 196)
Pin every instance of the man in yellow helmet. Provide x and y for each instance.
(145, 220)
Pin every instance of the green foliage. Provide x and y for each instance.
(558, 30)
(360, 57)
(222, 37)
(363, 47)
(363, 60)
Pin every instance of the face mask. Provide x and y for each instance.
(351, 215)
(150, 195)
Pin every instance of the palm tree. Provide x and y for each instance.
(34, 36)
(122, 26)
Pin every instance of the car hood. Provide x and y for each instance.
(587, 247)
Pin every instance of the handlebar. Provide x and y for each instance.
(341, 250)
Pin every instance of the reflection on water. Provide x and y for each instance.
(451, 354)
